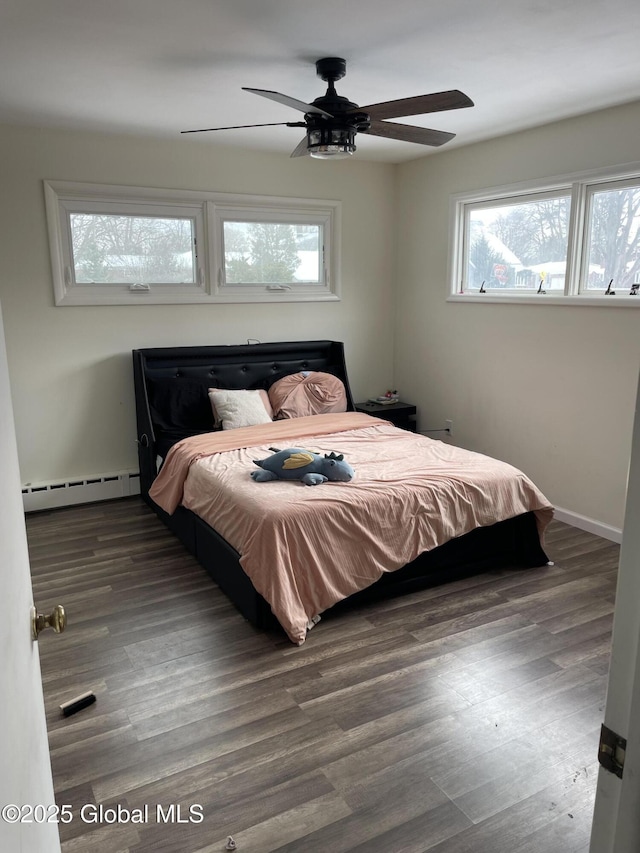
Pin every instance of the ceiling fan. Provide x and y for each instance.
(332, 121)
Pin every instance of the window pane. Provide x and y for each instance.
(520, 246)
(110, 249)
(272, 253)
(614, 240)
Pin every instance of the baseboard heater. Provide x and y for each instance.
(36, 496)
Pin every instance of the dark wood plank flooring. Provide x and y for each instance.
(459, 719)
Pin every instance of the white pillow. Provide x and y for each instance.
(238, 408)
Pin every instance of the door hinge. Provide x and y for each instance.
(611, 751)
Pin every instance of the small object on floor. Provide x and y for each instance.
(551, 563)
(77, 704)
(231, 844)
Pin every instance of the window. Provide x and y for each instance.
(119, 245)
(125, 249)
(612, 257)
(577, 241)
(124, 245)
(271, 253)
(518, 246)
(274, 251)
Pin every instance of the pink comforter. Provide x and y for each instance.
(305, 548)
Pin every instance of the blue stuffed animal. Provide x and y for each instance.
(297, 464)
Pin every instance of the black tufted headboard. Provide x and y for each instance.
(192, 370)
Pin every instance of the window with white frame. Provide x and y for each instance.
(575, 241)
(123, 245)
(612, 231)
(273, 250)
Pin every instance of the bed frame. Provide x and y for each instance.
(513, 543)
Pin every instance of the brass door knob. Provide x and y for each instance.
(57, 620)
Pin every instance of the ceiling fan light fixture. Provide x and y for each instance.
(326, 143)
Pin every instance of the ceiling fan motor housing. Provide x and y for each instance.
(343, 115)
(346, 114)
(331, 68)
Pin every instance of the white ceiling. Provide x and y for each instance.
(156, 67)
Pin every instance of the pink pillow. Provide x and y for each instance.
(307, 393)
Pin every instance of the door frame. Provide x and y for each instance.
(25, 780)
(616, 818)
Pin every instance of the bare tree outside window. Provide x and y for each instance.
(614, 237)
(535, 231)
(110, 249)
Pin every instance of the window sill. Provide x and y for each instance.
(237, 296)
(548, 299)
(77, 296)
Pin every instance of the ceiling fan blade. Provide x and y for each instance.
(409, 133)
(301, 149)
(288, 102)
(421, 104)
(240, 126)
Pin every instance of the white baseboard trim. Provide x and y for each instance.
(582, 522)
(79, 490)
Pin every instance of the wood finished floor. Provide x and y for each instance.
(460, 719)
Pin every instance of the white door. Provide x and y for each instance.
(25, 766)
(616, 820)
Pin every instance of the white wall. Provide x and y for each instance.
(70, 368)
(549, 389)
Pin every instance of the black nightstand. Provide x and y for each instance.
(400, 414)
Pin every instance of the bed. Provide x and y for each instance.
(282, 551)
